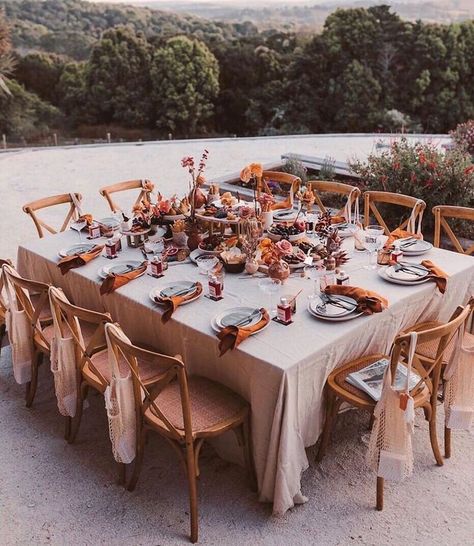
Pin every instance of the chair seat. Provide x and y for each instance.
(148, 370)
(213, 407)
(87, 330)
(337, 381)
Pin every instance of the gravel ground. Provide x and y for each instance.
(55, 493)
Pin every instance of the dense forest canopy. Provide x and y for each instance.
(83, 67)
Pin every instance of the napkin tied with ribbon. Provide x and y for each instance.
(437, 275)
(232, 336)
(114, 281)
(172, 303)
(398, 233)
(77, 260)
(367, 301)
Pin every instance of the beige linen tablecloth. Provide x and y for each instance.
(282, 370)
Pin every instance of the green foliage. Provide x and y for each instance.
(7, 63)
(463, 136)
(420, 170)
(185, 80)
(293, 166)
(40, 73)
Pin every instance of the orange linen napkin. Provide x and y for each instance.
(338, 219)
(171, 304)
(112, 282)
(232, 336)
(368, 302)
(437, 274)
(70, 262)
(400, 234)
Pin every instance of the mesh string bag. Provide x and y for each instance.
(120, 405)
(390, 451)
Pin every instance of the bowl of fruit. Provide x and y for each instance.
(292, 233)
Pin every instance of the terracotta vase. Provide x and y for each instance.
(251, 266)
(279, 270)
(194, 238)
(199, 198)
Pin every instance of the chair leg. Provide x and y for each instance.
(67, 427)
(138, 460)
(447, 442)
(3, 329)
(122, 473)
(32, 385)
(193, 501)
(433, 433)
(76, 420)
(332, 407)
(380, 483)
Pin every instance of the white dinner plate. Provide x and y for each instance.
(111, 223)
(119, 268)
(231, 316)
(332, 310)
(419, 248)
(382, 272)
(170, 289)
(218, 328)
(345, 229)
(79, 248)
(349, 315)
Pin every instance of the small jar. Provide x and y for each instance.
(330, 263)
(383, 256)
(94, 232)
(156, 266)
(397, 253)
(342, 278)
(284, 311)
(111, 249)
(215, 288)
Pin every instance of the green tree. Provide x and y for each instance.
(72, 92)
(40, 73)
(185, 79)
(118, 79)
(6, 60)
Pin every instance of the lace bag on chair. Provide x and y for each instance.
(390, 451)
(120, 406)
(19, 334)
(63, 361)
(348, 209)
(459, 387)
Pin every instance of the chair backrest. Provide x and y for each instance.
(441, 212)
(69, 318)
(23, 290)
(443, 334)
(338, 188)
(288, 182)
(171, 368)
(145, 187)
(373, 198)
(66, 198)
(3, 302)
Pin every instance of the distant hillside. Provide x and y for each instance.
(70, 27)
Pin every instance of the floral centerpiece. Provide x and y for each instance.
(272, 254)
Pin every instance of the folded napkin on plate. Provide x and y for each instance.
(437, 274)
(338, 219)
(171, 304)
(367, 301)
(400, 234)
(113, 281)
(232, 336)
(70, 262)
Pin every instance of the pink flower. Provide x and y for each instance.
(164, 206)
(187, 161)
(245, 212)
(284, 247)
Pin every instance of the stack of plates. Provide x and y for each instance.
(334, 308)
(120, 268)
(111, 223)
(178, 288)
(244, 317)
(405, 273)
(345, 229)
(284, 215)
(411, 248)
(80, 248)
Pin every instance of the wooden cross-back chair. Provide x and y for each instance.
(32, 297)
(142, 185)
(374, 198)
(287, 181)
(425, 392)
(183, 410)
(441, 214)
(337, 188)
(46, 202)
(3, 303)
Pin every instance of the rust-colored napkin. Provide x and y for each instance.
(171, 304)
(338, 219)
(367, 301)
(400, 234)
(232, 336)
(437, 274)
(112, 281)
(70, 262)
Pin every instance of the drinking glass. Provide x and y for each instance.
(315, 274)
(270, 286)
(372, 242)
(206, 262)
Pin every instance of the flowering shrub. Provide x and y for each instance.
(422, 171)
(463, 136)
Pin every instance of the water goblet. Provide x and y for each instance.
(372, 242)
(270, 286)
(206, 262)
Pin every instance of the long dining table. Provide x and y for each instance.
(282, 370)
